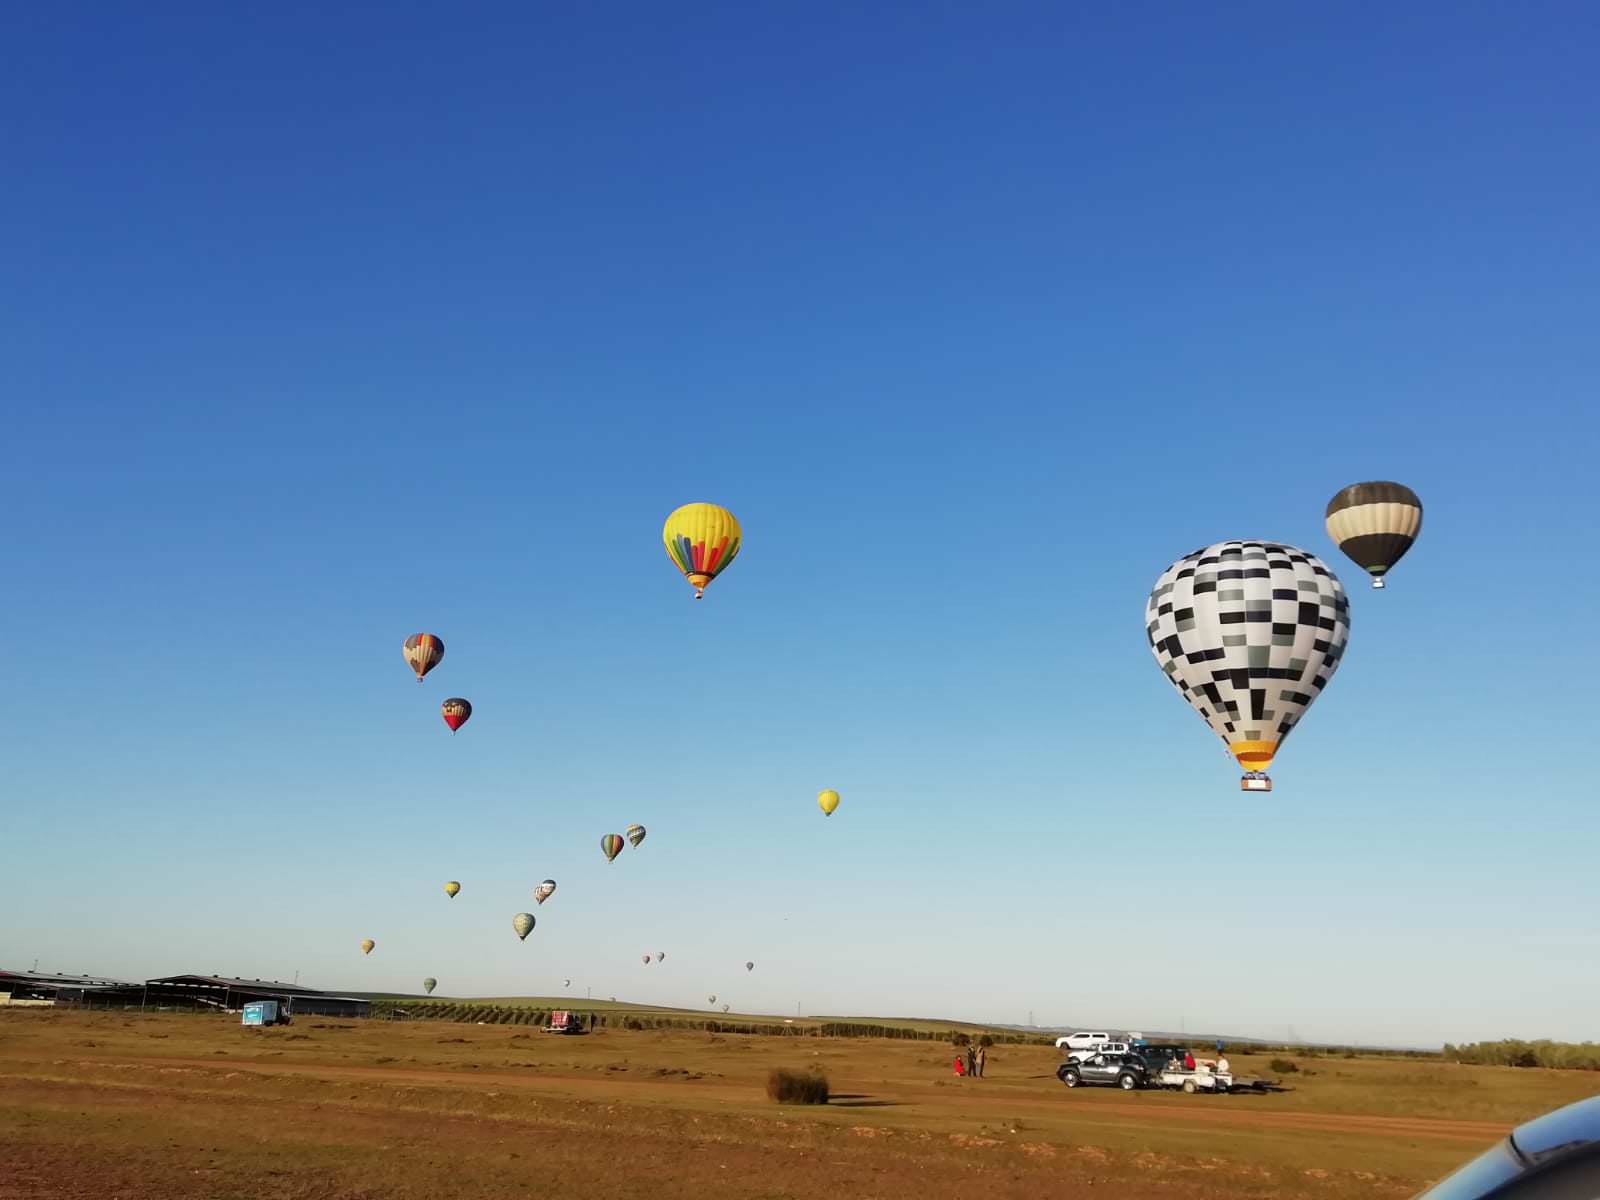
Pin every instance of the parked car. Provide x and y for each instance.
(1102, 1048)
(1126, 1071)
(1082, 1041)
(1158, 1054)
(1553, 1156)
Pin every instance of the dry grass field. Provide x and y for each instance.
(133, 1107)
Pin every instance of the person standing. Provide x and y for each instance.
(972, 1060)
(983, 1059)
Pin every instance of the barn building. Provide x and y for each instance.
(227, 994)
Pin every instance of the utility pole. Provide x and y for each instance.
(1031, 1025)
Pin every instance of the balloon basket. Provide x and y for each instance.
(1378, 583)
(1254, 782)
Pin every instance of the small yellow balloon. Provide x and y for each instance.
(451, 888)
(827, 801)
(366, 945)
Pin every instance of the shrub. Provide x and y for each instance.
(957, 1038)
(797, 1087)
(1283, 1066)
(986, 1041)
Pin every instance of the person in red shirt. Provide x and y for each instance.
(961, 1065)
(1188, 1061)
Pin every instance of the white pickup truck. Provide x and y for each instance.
(1102, 1048)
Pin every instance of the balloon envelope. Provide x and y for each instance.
(647, 960)
(827, 801)
(749, 966)
(1249, 633)
(701, 540)
(635, 834)
(711, 999)
(611, 846)
(424, 652)
(451, 888)
(660, 954)
(456, 712)
(523, 923)
(545, 890)
(429, 984)
(367, 945)
(725, 1008)
(1375, 524)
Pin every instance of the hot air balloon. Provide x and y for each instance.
(429, 984)
(660, 954)
(545, 890)
(827, 801)
(367, 945)
(749, 966)
(635, 834)
(451, 888)
(566, 983)
(456, 712)
(725, 1007)
(701, 539)
(1249, 633)
(611, 846)
(423, 652)
(711, 999)
(1375, 524)
(647, 960)
(523, 923)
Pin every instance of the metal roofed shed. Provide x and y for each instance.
(224, 993)
(46, 987)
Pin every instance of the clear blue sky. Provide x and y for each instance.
(321, 328)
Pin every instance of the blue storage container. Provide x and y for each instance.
(261, 1012)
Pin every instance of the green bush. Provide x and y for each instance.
(797, 1087)
(1283, 1066)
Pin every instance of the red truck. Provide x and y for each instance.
(562, 1021)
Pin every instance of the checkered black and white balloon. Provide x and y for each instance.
(1249, 633)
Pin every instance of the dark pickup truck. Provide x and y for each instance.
(1126, 1071)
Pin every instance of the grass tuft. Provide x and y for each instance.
(797, 1087)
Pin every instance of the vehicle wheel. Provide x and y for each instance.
(1070, 1078)
(1188, 1086)
(1127, 1082)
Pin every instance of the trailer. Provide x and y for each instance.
(265, 1012)
(1202, 1079)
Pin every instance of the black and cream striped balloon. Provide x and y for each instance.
(1375, 524)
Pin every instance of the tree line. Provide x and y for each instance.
(1513, 1052)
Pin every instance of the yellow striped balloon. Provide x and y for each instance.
(1375, 523)
(827, 801)
(701, 540)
